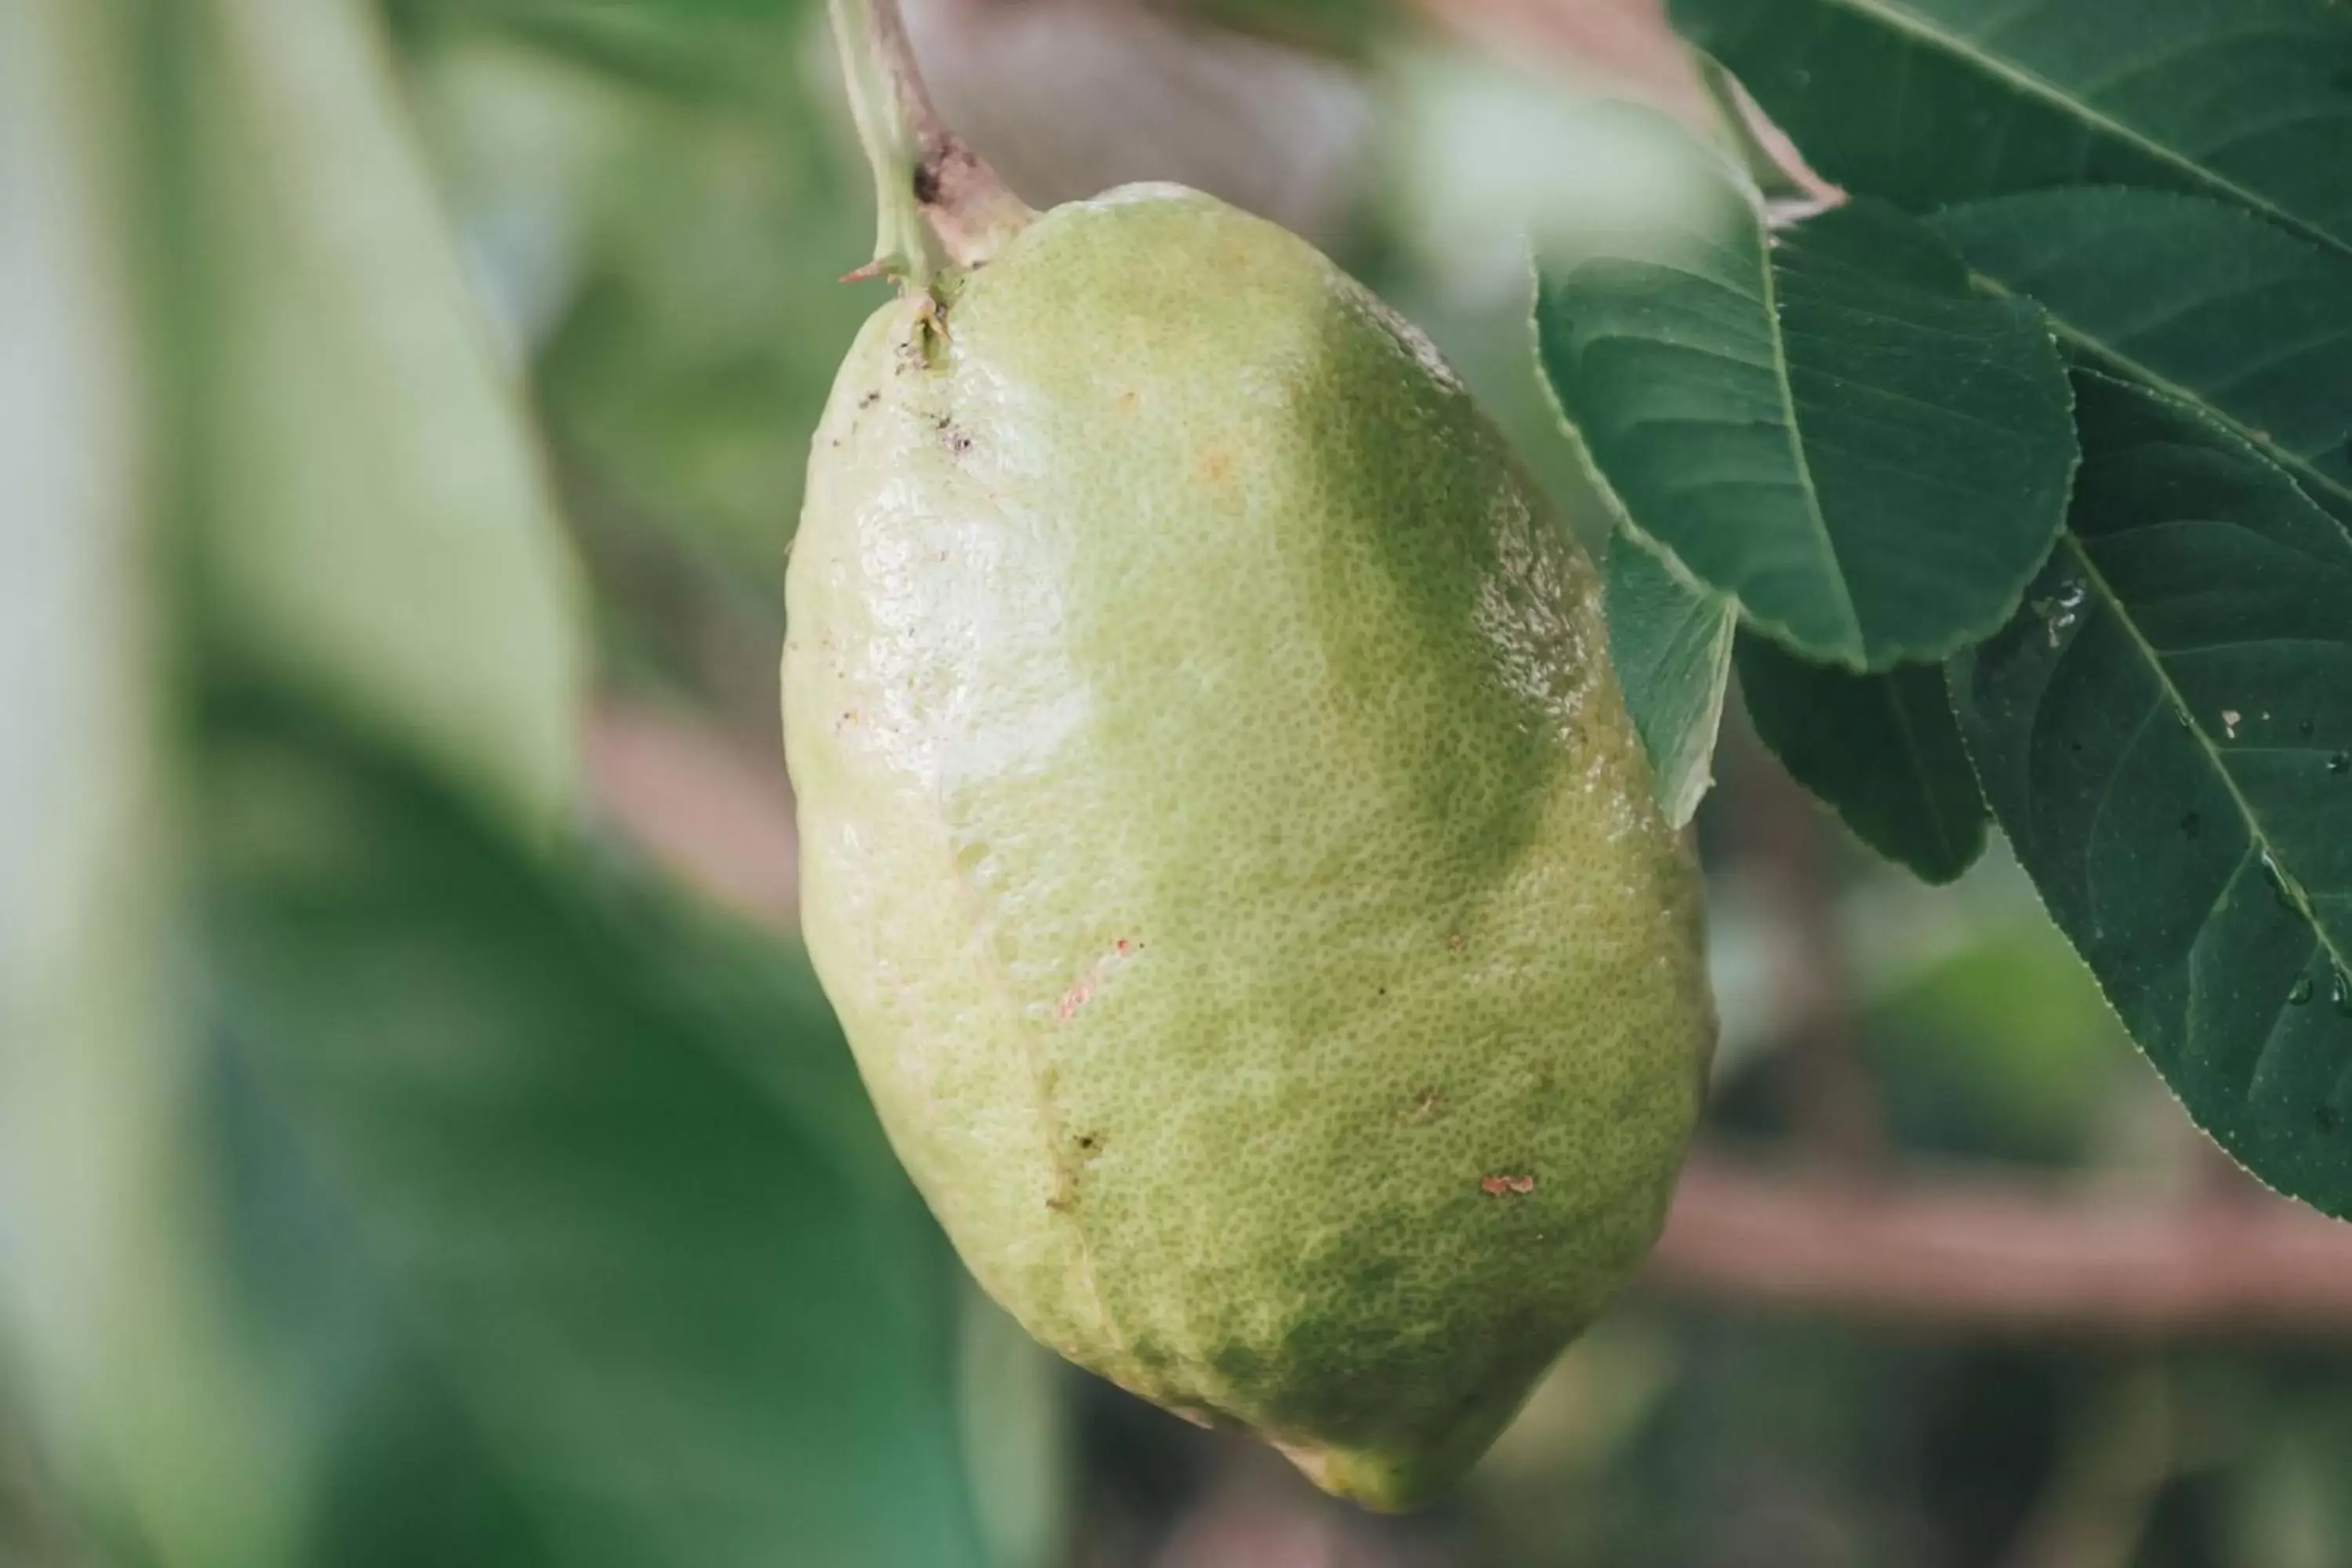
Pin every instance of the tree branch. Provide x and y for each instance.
(2001, 1253)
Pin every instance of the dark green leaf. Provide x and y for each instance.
(1928, 102)
(1882, 750)
(2208, 302)
(565, 1219)
(1837, 431)
(1671, 644)
(2166, 736)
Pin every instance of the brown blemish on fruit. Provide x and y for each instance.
(1454, 943)
(1215, 465)
(1496, 1186)
(1127, 402)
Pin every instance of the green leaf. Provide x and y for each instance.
(1882, 750)
(2247, 321)
(1930, 102)
(1831, 426)
(374, 524)
(2166, 736)
(678, 394)
(562, 1215)
(98, 1242)
(698, 51)
(1671, 644)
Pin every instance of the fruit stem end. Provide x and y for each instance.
(923, 172)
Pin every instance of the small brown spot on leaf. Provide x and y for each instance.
(1496, 1186)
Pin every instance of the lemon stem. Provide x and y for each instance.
(924, 175)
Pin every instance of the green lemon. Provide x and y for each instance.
(1225, 844)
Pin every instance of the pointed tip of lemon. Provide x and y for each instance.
(1381, 1481)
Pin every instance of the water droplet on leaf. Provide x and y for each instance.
(2282, 885)
(2299, 993)
(2341, 762)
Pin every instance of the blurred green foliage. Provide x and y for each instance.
(546, 1197)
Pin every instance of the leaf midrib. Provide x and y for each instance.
(1898, 705)
(1786, 385)
(2299, 467)
(2028, 82)
(2262, 839)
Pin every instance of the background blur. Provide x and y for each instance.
(380, 1184)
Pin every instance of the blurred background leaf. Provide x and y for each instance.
(109, 1348)
(372, 523)
(548, 1199)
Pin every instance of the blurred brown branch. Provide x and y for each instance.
(2001, 1253)
(2005, 1254)
(1627, 41)
(1829, 1092)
